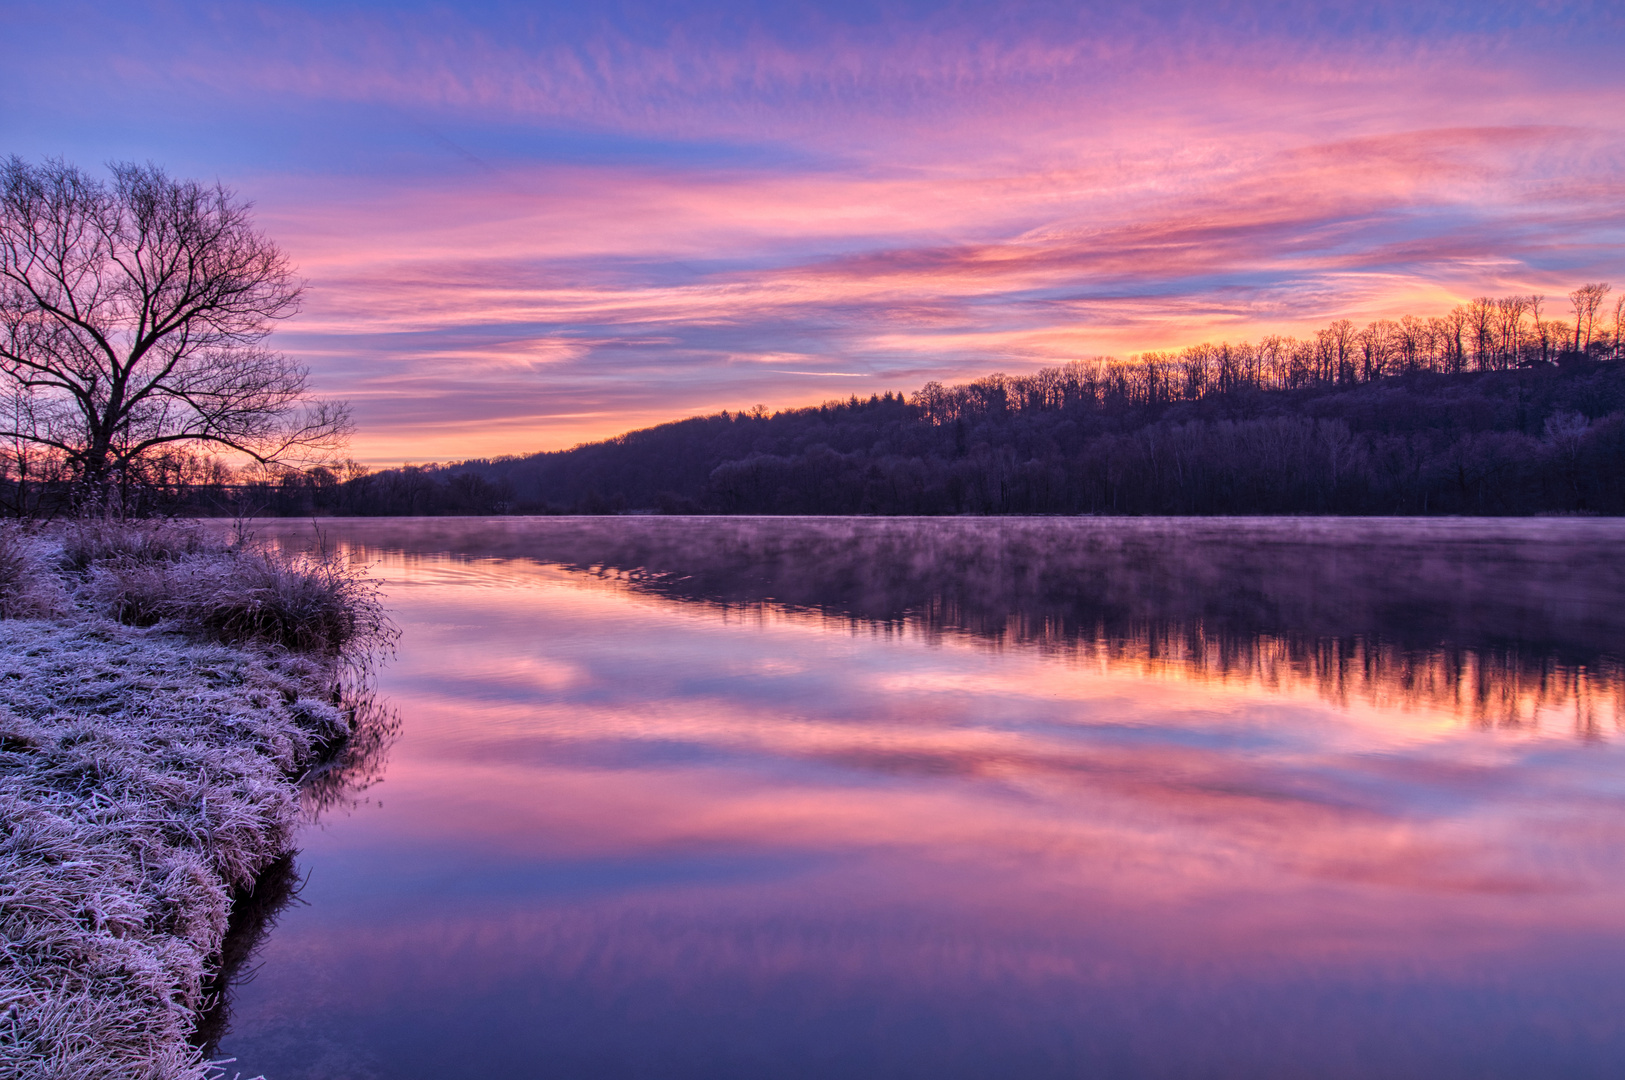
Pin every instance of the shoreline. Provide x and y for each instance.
(148, 776)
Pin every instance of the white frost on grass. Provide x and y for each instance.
(144, 776)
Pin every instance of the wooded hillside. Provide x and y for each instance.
(1548, 438)
(1490, 409)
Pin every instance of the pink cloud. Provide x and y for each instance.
(987, 271)
(908, 199)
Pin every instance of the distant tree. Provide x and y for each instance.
(1543, 330)
(1619, 327)
(1414, 343)
(1510, 311)
(1377, 344)
(1481, 316)
(1453, 328)
(1586, 300)
(133, 321)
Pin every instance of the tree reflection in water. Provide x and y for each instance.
(1504, 622)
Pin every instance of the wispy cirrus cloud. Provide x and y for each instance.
(523, 228)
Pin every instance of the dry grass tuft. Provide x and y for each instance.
(183, 577)
(28, 586)
(245, 595)
(90, 540)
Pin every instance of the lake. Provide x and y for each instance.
(750, 797)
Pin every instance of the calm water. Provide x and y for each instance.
(970, 798)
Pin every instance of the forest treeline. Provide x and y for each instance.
(1491, 409)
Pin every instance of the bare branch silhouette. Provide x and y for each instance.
(133, 319)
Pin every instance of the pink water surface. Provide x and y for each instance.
(628, 832)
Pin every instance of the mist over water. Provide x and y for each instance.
(970, 797)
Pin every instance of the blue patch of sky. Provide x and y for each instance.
(95, 115)
(737, 20)
(519, 144)
(195, 135)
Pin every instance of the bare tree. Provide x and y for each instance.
(1510, 311)
(1619, 328)
(1481, 319)
(1586, 300)
(1335, 349)
(1414, 343)
(1455, 350)
(1377, 345)
(133, 322)
(1543, 330)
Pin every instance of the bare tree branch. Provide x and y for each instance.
(133, 317)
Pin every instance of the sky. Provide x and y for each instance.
(524, 226)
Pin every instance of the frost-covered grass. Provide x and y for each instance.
(147, 773)
(188, 578)
(30, 587)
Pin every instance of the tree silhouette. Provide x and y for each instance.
(133, 321)
(1586, 300)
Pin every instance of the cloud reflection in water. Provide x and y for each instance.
(728, 798)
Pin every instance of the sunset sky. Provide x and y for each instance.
(528, 225)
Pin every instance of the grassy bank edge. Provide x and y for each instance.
(162, 690)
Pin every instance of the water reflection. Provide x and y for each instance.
(341, 782)
(254, 913)
(964, 798)
(336, 784)
(1509, 623)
